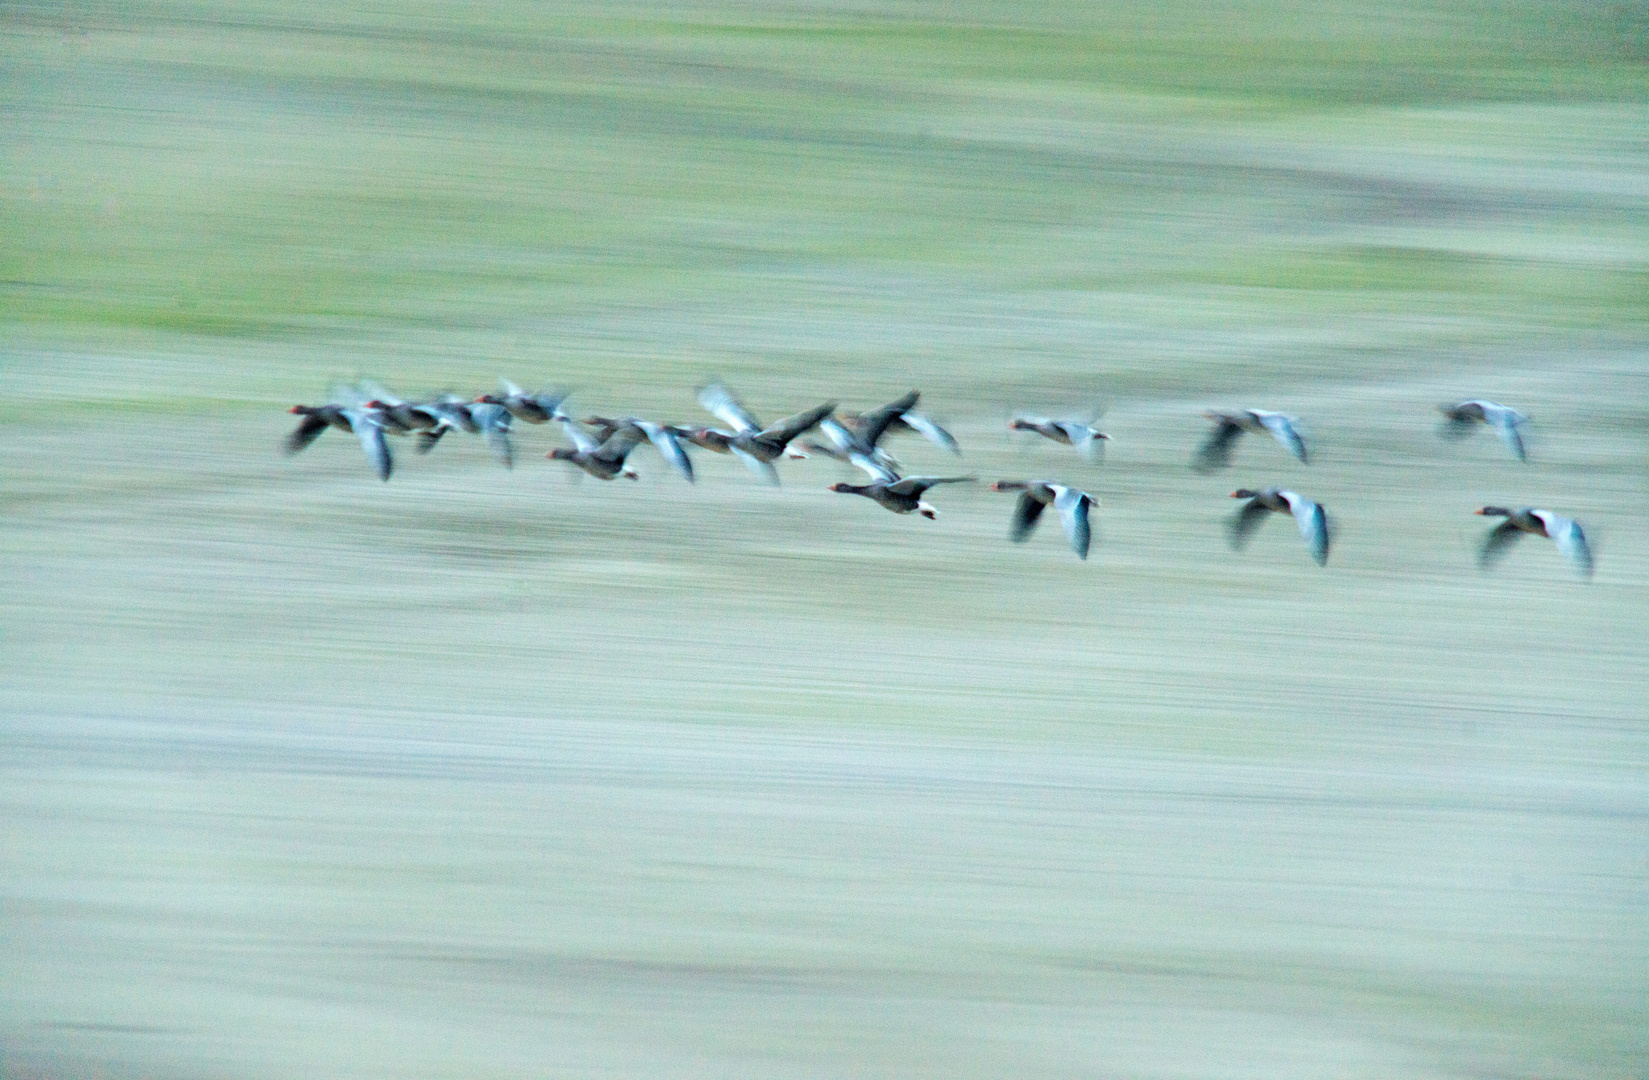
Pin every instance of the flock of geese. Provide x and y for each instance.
(601, 446)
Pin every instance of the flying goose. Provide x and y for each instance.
(532, 408)
(1080, 434)
(900, 494)
(1506, 422)
(1308, 515)
(666, 438)
(366, 423)
(1073, 507)
(753, 444)
(1566, 532)
(1215, 452)
(603, 460)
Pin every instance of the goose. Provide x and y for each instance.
(1566, 532)
(1506, 422)
(605, 459)
(666, 438)
(1073, 507)
(366, 423)
(1080, 434)
(1308, 515)
(900, 494)
(753, 444)
(532, 408)
(1215, 452)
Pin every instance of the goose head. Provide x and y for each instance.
(1244, 493)
(561, 453)
(927, 510)
(1493, 511)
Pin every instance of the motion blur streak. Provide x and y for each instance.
(485, 772)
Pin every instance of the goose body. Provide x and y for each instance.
(758, 447)
(531, 408)
(1215, 451)
(1565, 532)
(604, 459)
(900, 494)
(1080, 434)
(1035, 496)
(366, 423)
(666, 439)
(1461, 417)
(1309, 516)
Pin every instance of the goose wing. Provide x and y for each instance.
(457, 410)
(1082, 437)
(1506, 423)
(619, 444)
(551, 403)
(308, 430)
(1240, 529)
(840, 437)
(915, 485)
(428, 437)
(1313, 523)
(369, 428)
(1570, 540)
(1215, 451)
(763, 469)
(1073, 506)
(668, 446)
(792, 426)
(582, 439)
(1455, 426)
(1285, 429)
(931, 431)
(1027, 511)
(878, 472)
(1497, 543)
(726, 408)
(494, 424)
(873, 425)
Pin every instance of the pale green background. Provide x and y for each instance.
(488, 774)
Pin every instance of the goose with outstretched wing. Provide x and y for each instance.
(1460, 418)
(1035, 496)
(1215, 451)
(1565, 532)
(1308, 515)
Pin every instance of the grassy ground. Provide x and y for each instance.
(486, 773)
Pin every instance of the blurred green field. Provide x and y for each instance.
(487, 773)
